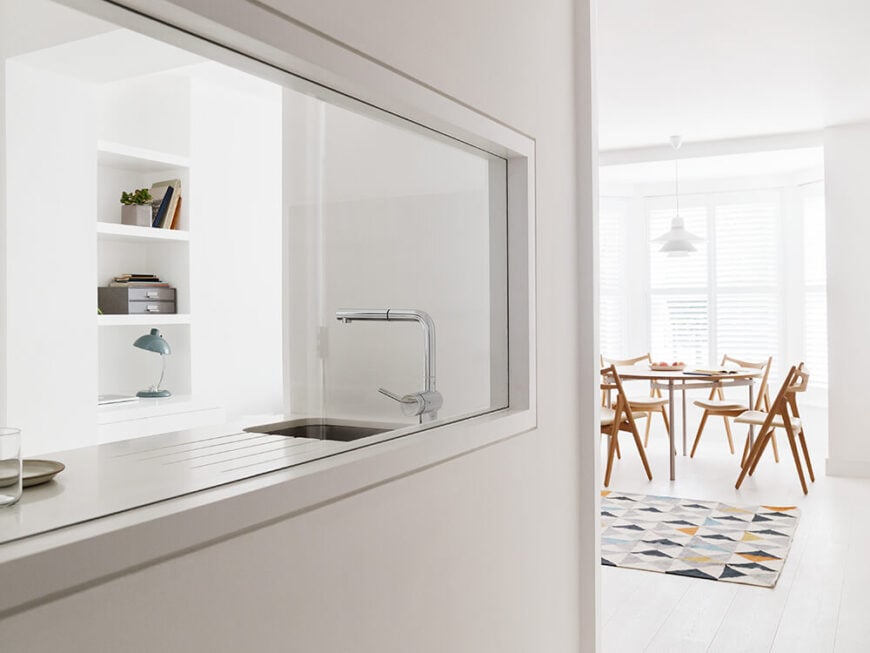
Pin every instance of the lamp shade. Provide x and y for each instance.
(678, 233)
(153, 342)
(677, 241)
(677, 247)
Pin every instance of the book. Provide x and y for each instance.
(168, 191)
(174, 205)
(718, 370)
(149, 279)
(175, 218)
(160, 216)
(158, 193)
(139, 284)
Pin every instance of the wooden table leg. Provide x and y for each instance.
(671, 443)
(684, 418)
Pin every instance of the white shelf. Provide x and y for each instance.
(130, 233)
(143, 320)
(145, 407)
(151, 416)
(137, 158)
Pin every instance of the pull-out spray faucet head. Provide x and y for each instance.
(429, 400)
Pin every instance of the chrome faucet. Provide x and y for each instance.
(429, 400)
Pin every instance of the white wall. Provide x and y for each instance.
(236, 248)
(847, 196)
(51, 257)
(493, 551)
(4, 377)
(151, 112)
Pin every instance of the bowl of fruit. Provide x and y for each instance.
(664, 366)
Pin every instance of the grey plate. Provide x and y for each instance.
(33, 472)
(40, 471)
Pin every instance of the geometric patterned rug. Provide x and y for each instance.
(700, 539)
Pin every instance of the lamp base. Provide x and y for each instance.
(154, 393)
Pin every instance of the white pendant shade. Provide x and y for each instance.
(677, 247)
(677, 241)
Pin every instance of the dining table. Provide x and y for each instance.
(689, 379)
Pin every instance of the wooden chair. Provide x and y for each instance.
(783, 414)
(616, 419)
(717, 405)
(646, 405)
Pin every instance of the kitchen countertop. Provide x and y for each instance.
(110, 478)
(105, 517)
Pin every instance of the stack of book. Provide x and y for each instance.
(138, 281)
(166, 204)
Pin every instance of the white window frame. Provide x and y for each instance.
(709, 200)
(316, 65)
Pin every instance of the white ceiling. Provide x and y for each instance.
(717, 69)
(110, 56)
(754, 164)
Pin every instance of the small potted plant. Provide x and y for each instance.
(136, 207)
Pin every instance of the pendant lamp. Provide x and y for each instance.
(677, 241)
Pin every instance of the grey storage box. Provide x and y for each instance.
(113, 300)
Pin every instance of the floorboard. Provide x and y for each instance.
(822, 598)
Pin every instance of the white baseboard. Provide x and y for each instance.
(849, 468)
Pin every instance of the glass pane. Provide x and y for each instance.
(612, 254)
(747, 327)
(814, 238)
(195, 341)
(679, 329)
(816, 337)
(747, 243)
(406, 222)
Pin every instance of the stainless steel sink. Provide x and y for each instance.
(340, 432)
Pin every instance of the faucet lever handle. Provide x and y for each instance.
(407, 399)
(412, 404)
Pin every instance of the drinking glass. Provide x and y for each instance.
(10, 465)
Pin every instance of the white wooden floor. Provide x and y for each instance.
(822, 600)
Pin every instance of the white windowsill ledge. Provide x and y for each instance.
(56, 563)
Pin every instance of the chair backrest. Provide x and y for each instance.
(762, 401)
(800, 380)
(626, 361)
(779, 404)
(795, 381)
(611, 381)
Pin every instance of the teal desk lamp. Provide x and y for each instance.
(154, 342)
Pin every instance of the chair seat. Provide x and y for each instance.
(647, 402)
(608, 414)
(720, 404)
(757, 417)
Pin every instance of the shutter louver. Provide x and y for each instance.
(611, 289)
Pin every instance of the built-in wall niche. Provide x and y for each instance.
(125, 369)
(169, 259)
(122, 167)
(93, 111)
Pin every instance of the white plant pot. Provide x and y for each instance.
(136, 214)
